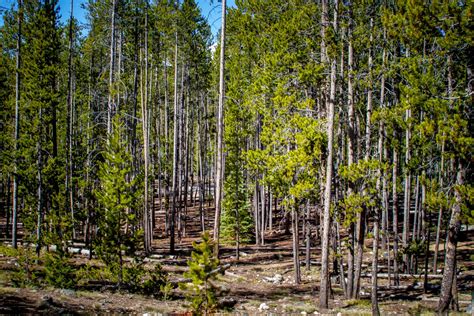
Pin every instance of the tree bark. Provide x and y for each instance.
(111, 68)
(69, 164)
(350, 153)
(296, 248)
(324, 285)
(395, 212)
(144, 116)
(220, 134)
(175, 142)
(453, 232)
(17, 128)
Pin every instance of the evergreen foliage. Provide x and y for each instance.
(117, 196)
(201, 292)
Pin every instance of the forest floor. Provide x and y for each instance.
(260, 282)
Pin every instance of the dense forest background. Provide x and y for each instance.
(337, 122)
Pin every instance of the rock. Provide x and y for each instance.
(263, 307)
(243, 254)
(276, 279)
(303, 313)
(67, 292)
(316, 313)
(85, 252)
(73, 250)
(339, 314)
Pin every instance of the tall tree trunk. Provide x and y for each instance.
(350, 153)
(39, 150)
(453, 232)
(361, 217)
(17, 127)
(144, 116)
(395, 211)
(220, 134)
(175, 142)
(324, 285)
(407, 193)
(110, 100)
(69, 164)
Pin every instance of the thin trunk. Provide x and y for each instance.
(324, 285)
(375, 304)
(307, 236)
(110, 100)
(406, 204)
(220, 135)
(395, 211)
(69, 189)
(144, 117)
(296, 250)
(40, 187)
(17, 127)
(175, 142)
(350, 154)
(450, 266)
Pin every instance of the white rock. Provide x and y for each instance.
(263, 307)
(276, 279)
(339, 314)
(303, 313)
(74, 250)
(85, 252)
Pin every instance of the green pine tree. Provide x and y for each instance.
(201, 293)
(117, 233)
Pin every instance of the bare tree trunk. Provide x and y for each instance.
(175, 142)
(144, 105)
(395, 212)
(361, 217)
(307, 236)
(111, 68)
(350, 155)
(406, 205)
(17, 127)
(296, 248)
(39, 233)
(69, 129)
(167, 144)
(374, 297)
(220, 134)
(454, 224)
(324, 285)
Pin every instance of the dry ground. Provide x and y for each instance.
(245, 282)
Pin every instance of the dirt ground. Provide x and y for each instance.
(261, 282)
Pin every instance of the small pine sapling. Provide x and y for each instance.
(201, 293)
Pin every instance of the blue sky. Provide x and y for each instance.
(210, 11)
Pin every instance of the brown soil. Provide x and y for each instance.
(245, 285)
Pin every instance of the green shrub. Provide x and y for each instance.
(201, 293)
(94, 273)
(58, 271)
(156, 282)
(26, 262)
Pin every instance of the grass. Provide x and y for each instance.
(358, 303)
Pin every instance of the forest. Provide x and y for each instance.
(315, 156)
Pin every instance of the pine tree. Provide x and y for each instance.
(117, 195)
(202, 270)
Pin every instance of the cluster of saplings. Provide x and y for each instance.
(57, 269)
